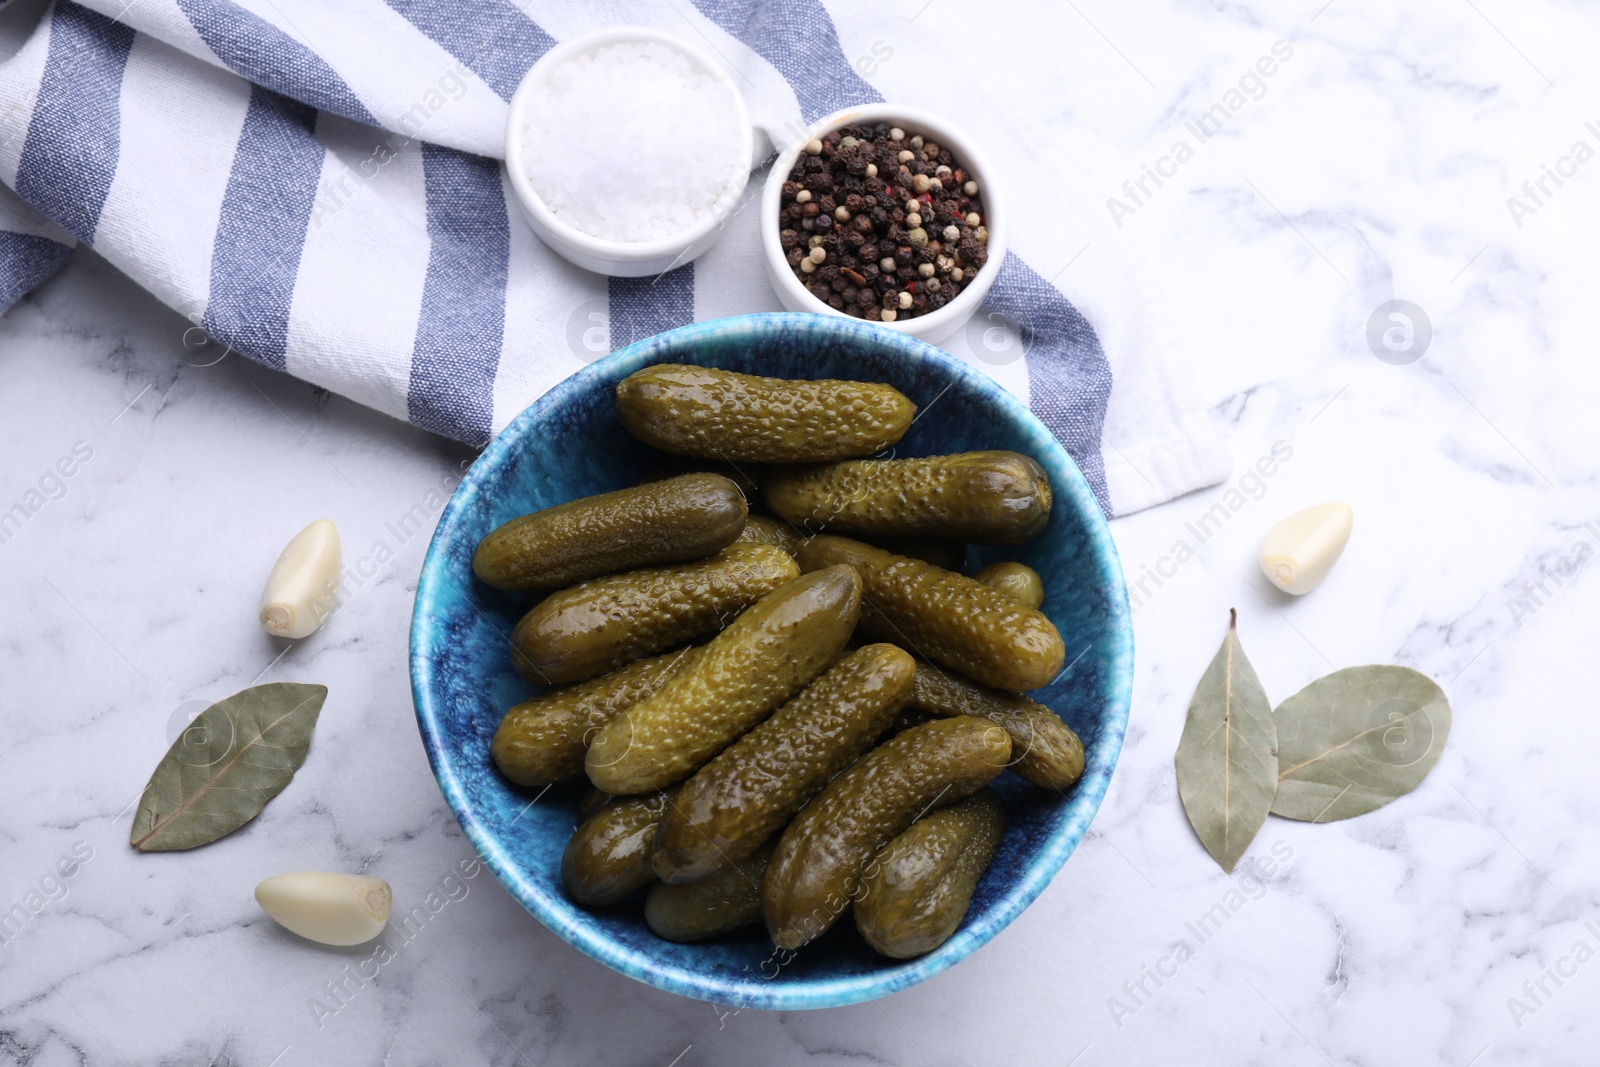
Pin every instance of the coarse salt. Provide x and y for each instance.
(631, 142)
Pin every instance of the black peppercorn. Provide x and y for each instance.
(858, 221)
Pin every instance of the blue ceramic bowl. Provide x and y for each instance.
(569, 444)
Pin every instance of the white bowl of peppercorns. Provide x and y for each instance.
(887, 214)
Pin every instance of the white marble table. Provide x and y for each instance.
(1375, 164)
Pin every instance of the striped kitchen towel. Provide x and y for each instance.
(317, 186)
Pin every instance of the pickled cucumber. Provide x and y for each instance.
(951, 555)
(666, 522)
(1000, 498)
(739, 418)
(602, 624)
(908, 718)
(1044, 750)
(747, 476)
(728, 900)
(1015, 580)
(817, 867)
(766, 656)
(915, 896)
(543, 739)
(746, 794)
(764, 530)
(949, 618)
(592, 801)
(608, 857)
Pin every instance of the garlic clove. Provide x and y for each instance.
(1298, 552)
(325, 906)
(304, 583)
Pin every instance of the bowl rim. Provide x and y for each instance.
(934, 323)
(607, 248)
(730, 989)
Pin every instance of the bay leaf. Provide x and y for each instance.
(1227, 760)
(1354, 740)
(237, 754)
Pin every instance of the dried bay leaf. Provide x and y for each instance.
(1227, 763)
(237, 754)
(1354, 740)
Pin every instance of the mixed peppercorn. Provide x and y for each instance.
(881, 225)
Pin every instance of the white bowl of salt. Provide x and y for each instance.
(628, 149)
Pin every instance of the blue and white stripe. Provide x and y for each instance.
(316, 185)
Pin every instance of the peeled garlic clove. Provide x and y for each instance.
(335, 909)
(304, 583)
(1299, 552)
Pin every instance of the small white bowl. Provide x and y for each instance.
(624, 259)
(935, 326)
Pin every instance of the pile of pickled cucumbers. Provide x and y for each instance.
(792, 716)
